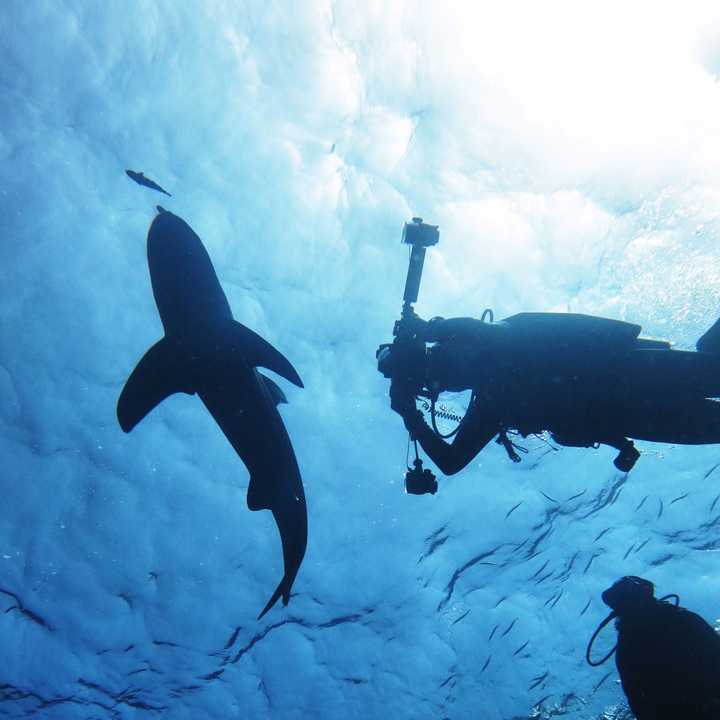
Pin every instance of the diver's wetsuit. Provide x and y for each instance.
(668, 659)
(585, 379)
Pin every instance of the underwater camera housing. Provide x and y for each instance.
(419, 481)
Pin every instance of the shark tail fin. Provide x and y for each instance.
(161, 372)
(258, 352)
(283, 589)
(291, 519)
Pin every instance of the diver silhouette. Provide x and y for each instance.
(587, 380)
(668, 658)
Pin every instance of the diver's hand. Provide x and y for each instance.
(401, 401)
(413, 422)
(412, 326)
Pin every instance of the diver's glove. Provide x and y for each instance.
(403, 404)
(414, 422)
(412, 326)
(402, 401)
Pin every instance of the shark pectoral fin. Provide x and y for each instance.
(274, 389)
(291, 517)
(258, 352)
(160, 373)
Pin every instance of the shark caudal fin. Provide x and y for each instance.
(160, 373)
(291, 519)
(258, 352)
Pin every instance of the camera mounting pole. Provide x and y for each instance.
(420, 236)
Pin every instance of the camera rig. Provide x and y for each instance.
(407, 350)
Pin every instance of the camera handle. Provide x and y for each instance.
(419, 236)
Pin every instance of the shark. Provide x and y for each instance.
(206, 352)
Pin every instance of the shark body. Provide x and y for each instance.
(206, 352)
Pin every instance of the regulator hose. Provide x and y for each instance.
(603, 624)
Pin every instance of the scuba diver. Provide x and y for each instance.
(587, 380)
(668, 658)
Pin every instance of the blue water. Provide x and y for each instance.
(570, 162)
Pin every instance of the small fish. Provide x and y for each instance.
(510, 627)
(521, 648)
(587, 605)
(552, 499)
(540, 701)
(464, 615)
(641, 545)
(642, 502)
(233, 637)
(550, 599)
(494, 630)
(595, 689)
(140, 179)
(487, 662)
(557, 599)
(679, 498)
(660, 509)
(628, 551)
(590, 561)
(543, 578)
(501, 600)
(602, 533)
(512, 509)
(714, 502)
(575, 497)
(540, 570)
(537, 681)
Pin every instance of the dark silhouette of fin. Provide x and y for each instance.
(160, 373)
(291, 519)
(282, 589)
(710, 341)
(255, 498)
(258, 352)
(274, 389)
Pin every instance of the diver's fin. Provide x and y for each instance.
(260, 353)
(160, 373)
(710, 341)
(274, 389)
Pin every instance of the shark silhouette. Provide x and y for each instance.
(206, 352)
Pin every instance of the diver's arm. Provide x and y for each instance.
(472, 437)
